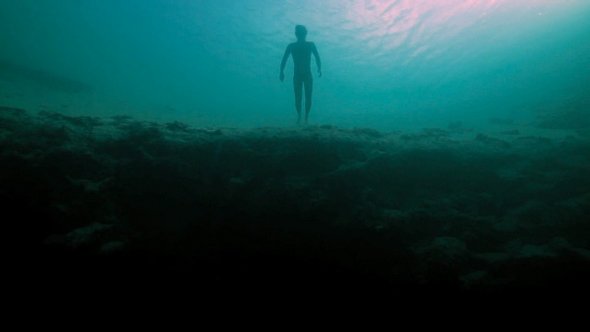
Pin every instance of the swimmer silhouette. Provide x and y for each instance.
(301, 52)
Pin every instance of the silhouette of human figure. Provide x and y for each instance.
(302, 77)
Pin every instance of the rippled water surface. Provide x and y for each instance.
(387, 64)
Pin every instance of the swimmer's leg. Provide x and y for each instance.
(298, 87)
(308, 93)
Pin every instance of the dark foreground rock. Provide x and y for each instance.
(315, 210)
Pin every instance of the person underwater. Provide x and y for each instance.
(301, 51)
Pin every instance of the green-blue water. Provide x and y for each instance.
(387, 64)
(150, 144)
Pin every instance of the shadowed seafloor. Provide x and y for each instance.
(316, 209)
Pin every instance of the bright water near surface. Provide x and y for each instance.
(387, 64)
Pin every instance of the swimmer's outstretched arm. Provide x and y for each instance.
(316, 55)
(284, 62)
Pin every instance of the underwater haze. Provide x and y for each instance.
(387, 64)
(153, 146)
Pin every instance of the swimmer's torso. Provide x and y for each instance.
(301, 52)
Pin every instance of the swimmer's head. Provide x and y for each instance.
(300, 32)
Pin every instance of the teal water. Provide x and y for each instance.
(387, 64)
(151, 143)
